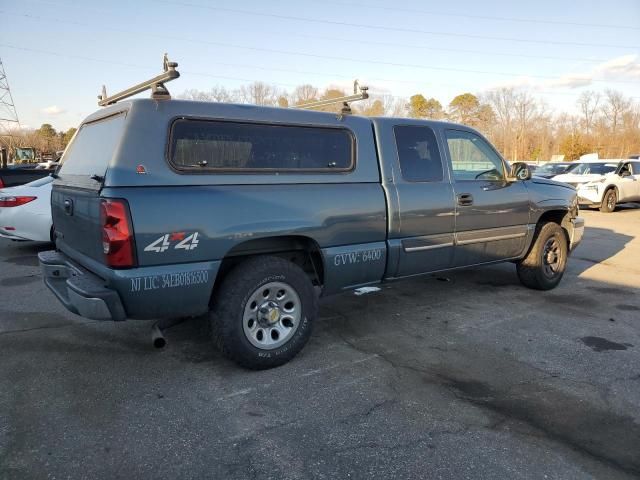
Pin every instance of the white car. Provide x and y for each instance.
(25, 211)
(605, 183)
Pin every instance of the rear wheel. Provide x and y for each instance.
(544, 265)
(609, 201)
(263, 312)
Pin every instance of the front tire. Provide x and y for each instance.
(544, 265)
(609, 201)
(263, 312)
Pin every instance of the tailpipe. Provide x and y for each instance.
(157, 337)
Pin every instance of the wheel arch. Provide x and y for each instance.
(299, 249)
(561, 216)
(609, 187)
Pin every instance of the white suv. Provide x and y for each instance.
(605, 183)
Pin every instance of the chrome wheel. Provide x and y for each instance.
(271, 315)
(552, 257)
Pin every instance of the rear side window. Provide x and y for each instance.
(93, 147)
(418, 153)
(198, 145)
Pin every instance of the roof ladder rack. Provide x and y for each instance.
(155, 84)
(359, 93)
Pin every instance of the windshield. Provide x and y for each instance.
(555, 168)
(594, 168)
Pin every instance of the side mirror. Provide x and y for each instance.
(520, 171)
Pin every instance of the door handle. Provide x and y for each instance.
(465, 199)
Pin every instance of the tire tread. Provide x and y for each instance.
(230, 297)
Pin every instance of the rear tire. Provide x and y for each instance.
(544, 265)
(609, 201)
(263, 313)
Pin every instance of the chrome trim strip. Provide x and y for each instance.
(491, 239)
(468, 237)
(492, 234)
(428, 242)
(428, 247)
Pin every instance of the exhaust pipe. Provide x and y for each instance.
(157, 337)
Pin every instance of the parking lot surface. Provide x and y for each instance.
(452, 376)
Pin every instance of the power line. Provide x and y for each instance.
(480, 17)
(309, 55)
(388, 28)
(416, 47)
(242, 79)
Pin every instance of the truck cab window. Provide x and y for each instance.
(418, 154)
(472, 158)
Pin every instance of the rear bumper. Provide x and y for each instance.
(80, 291)
(5, 234)
(577, 232)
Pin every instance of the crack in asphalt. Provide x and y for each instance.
(44, 327)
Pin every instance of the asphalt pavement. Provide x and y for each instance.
(450, 376)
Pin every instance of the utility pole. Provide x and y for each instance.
(9, 122)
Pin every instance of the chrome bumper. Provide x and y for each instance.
(80, 291)
(577, 232)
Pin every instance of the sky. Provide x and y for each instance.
(57, 54)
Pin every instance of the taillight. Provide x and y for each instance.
(1, 183)
(15, 201)
(117, 234)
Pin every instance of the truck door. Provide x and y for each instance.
(635, 174)
(492, 214)
(628, 184)
(420, 196)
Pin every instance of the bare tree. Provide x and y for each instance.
(393, 106)
(525, 110)
(216, 94)
(502, 102)
(588, 102)
(616, 105)
(304, 94)
(259, 93)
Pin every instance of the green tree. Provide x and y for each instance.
(68, 135)
(417, 106)
(434, 109)
(464, 108)
(573, 146)
(46, 131)
(283, 102)
(421, 107)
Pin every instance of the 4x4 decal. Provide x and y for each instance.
(165, 242)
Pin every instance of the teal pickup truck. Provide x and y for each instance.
(168, 208)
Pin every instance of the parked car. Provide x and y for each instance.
(19, 175)
(606, 183)
(550, 170)
(48, 165)
(25, 211)
(246, 213)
